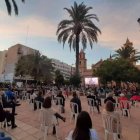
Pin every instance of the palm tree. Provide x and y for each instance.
(79, 27)
(9, 4)
(127, 52)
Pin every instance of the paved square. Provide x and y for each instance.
(29, 124)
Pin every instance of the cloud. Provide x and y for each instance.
(35, 26)
(118, 20)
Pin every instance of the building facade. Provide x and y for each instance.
(2, 64)
(65, 69)
(12, 55)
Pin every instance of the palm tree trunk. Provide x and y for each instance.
(77, 54)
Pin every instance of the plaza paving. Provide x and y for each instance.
(29, 124)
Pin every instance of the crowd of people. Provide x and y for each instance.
(9, 98)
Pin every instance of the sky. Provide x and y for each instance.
(37, 22)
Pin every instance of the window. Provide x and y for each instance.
(19, 51)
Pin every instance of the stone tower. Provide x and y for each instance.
(82, 62)
(130, 44)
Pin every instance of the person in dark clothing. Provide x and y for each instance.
(76, 100)
(98, 99)
(9, 104)
(95, 103)
(110, 98)
(40, 99)
(8, 116)
(61, 95)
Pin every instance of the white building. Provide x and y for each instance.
(65, 69)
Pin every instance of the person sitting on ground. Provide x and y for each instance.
(83, 129)
(110, 111)
(40, 99)
(76, 100)
(110, 98)
(8, 116)
(49, 112)
(91, 96)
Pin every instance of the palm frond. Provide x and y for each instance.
(74, 44)
(90, 40)
(70, 12)
(61, 34)
(84, 41)
(92, 16)
(8, 5)
(15, 7)
(63, 24)
(138, 20)
(70, 40)
(92, 33)
(91, 25)
(65, 37)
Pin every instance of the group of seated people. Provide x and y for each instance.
(83, 129)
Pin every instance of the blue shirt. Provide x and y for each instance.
(9, 94)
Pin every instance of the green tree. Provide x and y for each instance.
(118, 70)
(23, 67)
(105, 71)
(127, 51)
(59, 79)
(79, 27)
(75, 80)
(35, 65)
(9, 4)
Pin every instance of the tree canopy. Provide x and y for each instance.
(35, 65)
(118, 70)
(75, 80)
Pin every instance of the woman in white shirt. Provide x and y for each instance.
(49, 115)
(83, 129)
